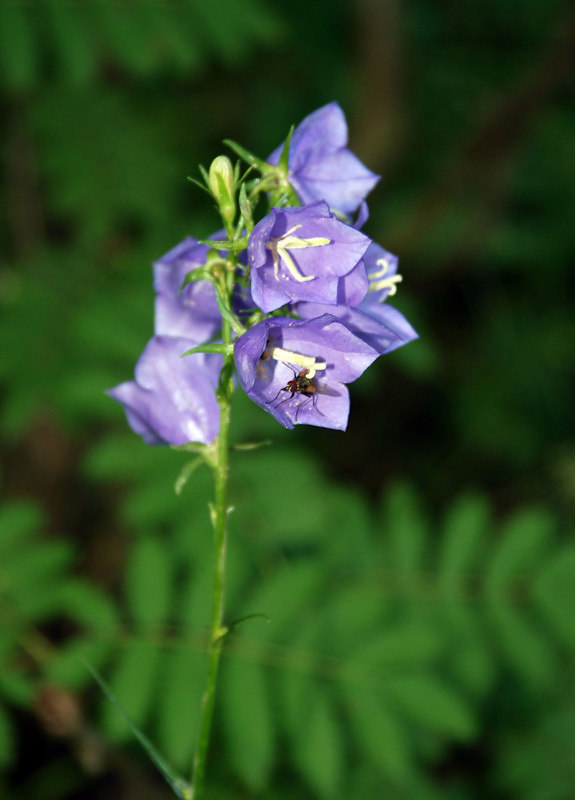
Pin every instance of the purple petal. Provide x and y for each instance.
(321, 167)
(379, 325)
(172, 399)
(309, 272)
(266, 378)
(192, 313)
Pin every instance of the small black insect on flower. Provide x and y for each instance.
(299, 384)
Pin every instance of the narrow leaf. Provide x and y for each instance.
(180, 787)
(246, 155)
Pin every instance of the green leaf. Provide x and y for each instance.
(295, 689)
(524, 542)
(247, 720)
(149, 583)
(246, 155)
(430, 703)
(283, 162)
(179, 703)
(67, 665)
(378, 733)
(525, 648)
(464, 529)
(285, 597)
(134, 683)
(179, 786)
(352, 612)
(87, 605)
(289, 511)
(405, 534)
(320, 752)
(401, 647)
(18, 521)
(554, 593)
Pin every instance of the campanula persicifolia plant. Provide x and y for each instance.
(288, 301)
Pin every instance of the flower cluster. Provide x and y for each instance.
(297, 299)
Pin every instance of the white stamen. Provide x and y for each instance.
(386, 283)
(282, 244)
(307, 362)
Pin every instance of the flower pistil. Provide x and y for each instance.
(378, 281)
(279, 247)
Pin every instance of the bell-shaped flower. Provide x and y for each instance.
(172, 399)
(376, 322)
(191, 313)
(298, 370)
(321, 167)
(302, 254)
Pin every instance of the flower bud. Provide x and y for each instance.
(221, 179)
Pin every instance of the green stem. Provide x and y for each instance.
(218, 630)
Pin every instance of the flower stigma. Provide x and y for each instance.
(385, 283)
(282, 244)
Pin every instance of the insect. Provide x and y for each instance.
(299, 384)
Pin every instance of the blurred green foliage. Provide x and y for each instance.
(418, 571)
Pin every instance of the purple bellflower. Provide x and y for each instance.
(172, 399)
(377, 323)
(302, 254)
(193, 312)
(320, 166)
(297, 369)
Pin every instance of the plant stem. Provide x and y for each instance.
(218, 630)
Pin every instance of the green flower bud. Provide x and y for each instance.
(222, 184)
(222, 178)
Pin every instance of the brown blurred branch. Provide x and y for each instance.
(478, 174)
(22, 185)
(377, 134)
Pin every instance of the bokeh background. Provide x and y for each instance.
(418, 570)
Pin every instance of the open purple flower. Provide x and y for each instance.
(172, 399)
(297, 370)
(377, 323)
(302, 254)
(192, 313)
(320, 165)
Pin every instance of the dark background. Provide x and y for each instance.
(466, 110)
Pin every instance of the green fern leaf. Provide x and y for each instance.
(149, 584)
(319, 750)
(133, 683)
(524, 542)
(464, 530)
(554, 594)
(405, 534)
(179, 702)
(247, 721)
(378, 733)
(430, 703)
